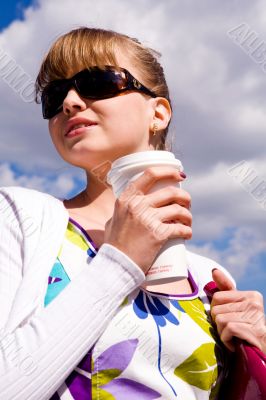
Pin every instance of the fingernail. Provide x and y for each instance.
(183, 175)
(214, 269)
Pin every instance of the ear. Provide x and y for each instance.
(161, 113)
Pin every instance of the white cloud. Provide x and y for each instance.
(251, 116)
(222, 199)
(239, 257)
(60, 185)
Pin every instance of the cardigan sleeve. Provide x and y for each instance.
(11, 257)
(36, 357)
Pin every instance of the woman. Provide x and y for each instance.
(95, 329)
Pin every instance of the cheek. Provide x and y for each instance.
(55, 138)
(54, 129)
(53, 135)
(130, 116)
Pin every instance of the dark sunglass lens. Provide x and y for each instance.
(96, 83)
(115, 80)
(53, 97)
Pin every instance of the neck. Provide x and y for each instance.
(99, 194)
(96, 200)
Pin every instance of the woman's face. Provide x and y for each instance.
(119, 125)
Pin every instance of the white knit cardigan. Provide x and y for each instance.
(39, 347)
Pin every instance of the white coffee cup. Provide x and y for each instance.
(170, 263)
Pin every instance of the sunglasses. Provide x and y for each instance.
(93, 83)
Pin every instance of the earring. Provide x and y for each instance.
(155, 128)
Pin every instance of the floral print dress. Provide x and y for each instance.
(157, 346)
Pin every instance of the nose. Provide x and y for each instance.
(73, 102)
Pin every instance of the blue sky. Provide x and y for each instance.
(12, 10)
(219, 120)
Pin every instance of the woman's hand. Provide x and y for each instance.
(238, 313)
(142, 222)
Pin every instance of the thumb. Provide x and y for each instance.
(222, 281)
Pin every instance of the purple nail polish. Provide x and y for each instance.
(183, 175)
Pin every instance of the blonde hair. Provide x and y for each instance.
(86, 47)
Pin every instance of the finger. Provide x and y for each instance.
(234, 296)
(152, 175)
(169, 195)
(241, 331)
(249, 308)
(254, 319)
(174, 213)
(163, 231)
(222, 281)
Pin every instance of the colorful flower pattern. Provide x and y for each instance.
(110, 370)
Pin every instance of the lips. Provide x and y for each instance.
(76, 123)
